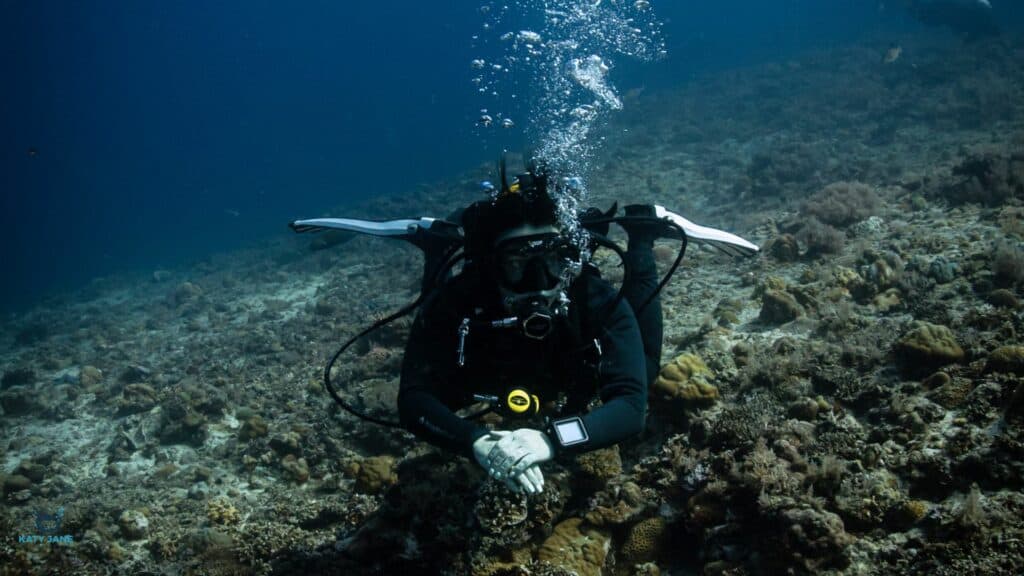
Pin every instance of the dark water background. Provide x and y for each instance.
(141, 135)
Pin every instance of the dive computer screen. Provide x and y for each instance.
(570, 431)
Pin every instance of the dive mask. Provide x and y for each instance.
(532, 271)
(535, 263)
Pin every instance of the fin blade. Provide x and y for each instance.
(727, 242)
(401, 228)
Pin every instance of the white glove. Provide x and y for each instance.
(483, 446)
(517, 452)
(529, 480)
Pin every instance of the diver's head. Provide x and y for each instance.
(532, 268)
(516, 241)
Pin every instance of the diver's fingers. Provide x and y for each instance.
(509, 461)
(501, 461)
(527, 483)
(524, 463)
(501, 467)
(535, 475)
(507, 445)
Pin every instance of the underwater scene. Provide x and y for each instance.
(533, 287)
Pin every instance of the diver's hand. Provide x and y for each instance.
(484, 446)
(518, 451)
(530, 480)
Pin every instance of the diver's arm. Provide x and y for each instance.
(623, 384)
(420, 406)
(423, 414)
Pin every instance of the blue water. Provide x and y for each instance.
(141, 135)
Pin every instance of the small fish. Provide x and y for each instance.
(231, 212)
(33, 152)
(892, 54)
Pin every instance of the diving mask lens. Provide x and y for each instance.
(540, 262)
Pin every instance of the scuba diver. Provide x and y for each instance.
(528, 328)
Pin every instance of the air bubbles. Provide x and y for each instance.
(590, 73)
(573, 183)
(529, 37)
(477, 64)
(585, 112)
(565, 56)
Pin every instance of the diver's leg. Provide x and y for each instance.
(642, 282)
(433, 254)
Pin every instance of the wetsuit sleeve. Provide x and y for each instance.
(427, 390)
(623, 378)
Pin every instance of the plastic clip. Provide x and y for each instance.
(463, 332)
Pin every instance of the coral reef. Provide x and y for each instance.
(928, 347)
(576, 547)
(686, 378)
(989, 177)
(644, 541)
(851, 402)
(601, 465)
(842, 203)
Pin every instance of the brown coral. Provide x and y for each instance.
(297, 468)
(927, 347)
(645, 540)
(222, 512)
(254, 427)
(498, 509)
(601, 465)
(375, 474)
(815, 539)
(779, 307)
(686, 378)
(842, 203)
(987, 177)
(576, 547)
(1007, 359)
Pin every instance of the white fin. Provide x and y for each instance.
(727, 242)
(399, 228)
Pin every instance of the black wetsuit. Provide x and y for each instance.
(433, 385)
